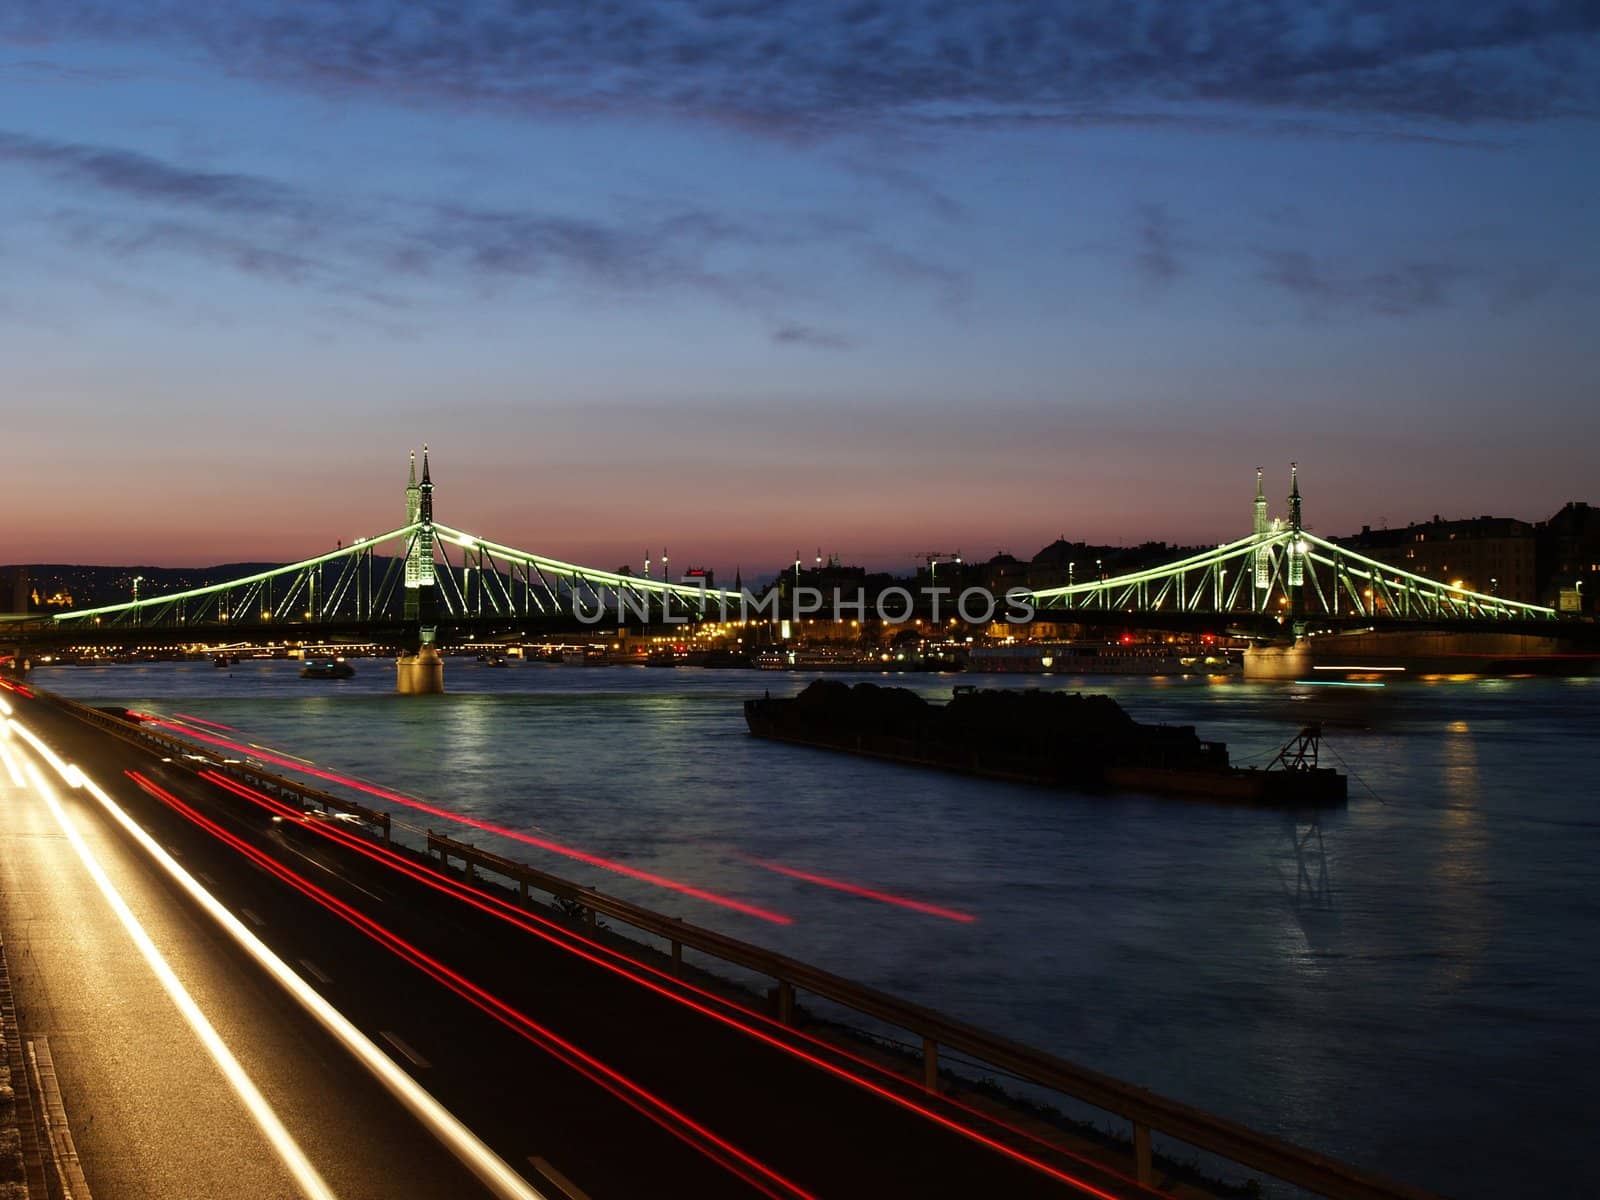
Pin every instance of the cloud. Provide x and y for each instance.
(1395, 289)
(146, 178)
(805, 335)
(807, 68)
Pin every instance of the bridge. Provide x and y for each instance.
(1284, 575)
(427, 581)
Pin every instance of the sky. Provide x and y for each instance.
(737, 277)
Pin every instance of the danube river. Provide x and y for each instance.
(1410, 984)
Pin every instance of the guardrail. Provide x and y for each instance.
(1146, 1111)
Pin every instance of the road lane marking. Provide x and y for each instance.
(254, 917)
(394, 1040)
(310, 1182)
(572, 1190)
(315, 971)
(494, 1172)
(205, 879)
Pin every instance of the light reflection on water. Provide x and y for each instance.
(1413, 989)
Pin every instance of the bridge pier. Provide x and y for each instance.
(1278, 661)
(420, 674)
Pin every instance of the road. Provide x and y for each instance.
(624, 1088)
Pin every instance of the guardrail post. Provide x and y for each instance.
(467, 870)
(930, 1064)
(785, 1002)
(677, 958)
(522, 891)
(1144, 1169)
(387, 840)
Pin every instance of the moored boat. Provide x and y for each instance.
(1058, 739)
(326, 668)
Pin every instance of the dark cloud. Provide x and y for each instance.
(377, 251)
(805, 335)
(808, 67)
(147, 178)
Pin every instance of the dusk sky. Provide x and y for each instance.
(736, 277)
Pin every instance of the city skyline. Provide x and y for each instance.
(733, 279)
(762, 568)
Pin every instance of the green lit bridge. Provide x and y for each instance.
(427, 581)
(1284, 578)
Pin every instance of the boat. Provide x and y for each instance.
(593, 656)
(492, 660)
(223, 661)
(1103, 658)
(809, 658)
(1058, 739)
(326, 668)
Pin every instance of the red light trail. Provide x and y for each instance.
(583, 856)
(839, 885)
(206, 723)
(635, 1095)
(627, 968)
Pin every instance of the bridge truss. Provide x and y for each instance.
(1287, 573)
(364, 583)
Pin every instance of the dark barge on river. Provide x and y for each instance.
(1059, 739)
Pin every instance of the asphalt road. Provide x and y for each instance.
(668, 1102)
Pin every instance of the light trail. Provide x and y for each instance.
(490, 1169)
(672, 988)
(11, 763)
(306, 1176)
(583, 856)
(630, 1092)
(206, 723)
(854, 889)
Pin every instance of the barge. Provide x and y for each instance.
(1057, 739)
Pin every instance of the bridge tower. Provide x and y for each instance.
(421, 673)
(413, 561)
(1296, 552)
(1263, 583)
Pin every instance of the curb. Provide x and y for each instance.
(22, 1172)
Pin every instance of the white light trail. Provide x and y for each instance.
(11, 764)
(310, 1182)
(492, 1170)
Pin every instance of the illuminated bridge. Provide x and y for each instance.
(407, 584)
(1285, 577)
(426, 581)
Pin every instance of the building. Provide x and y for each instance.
(1569, 559)
(1497, 556)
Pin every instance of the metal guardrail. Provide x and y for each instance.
(1146, 1111)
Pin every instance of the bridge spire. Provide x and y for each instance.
(426, 508)
(1263, 555)
(1294, 496)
